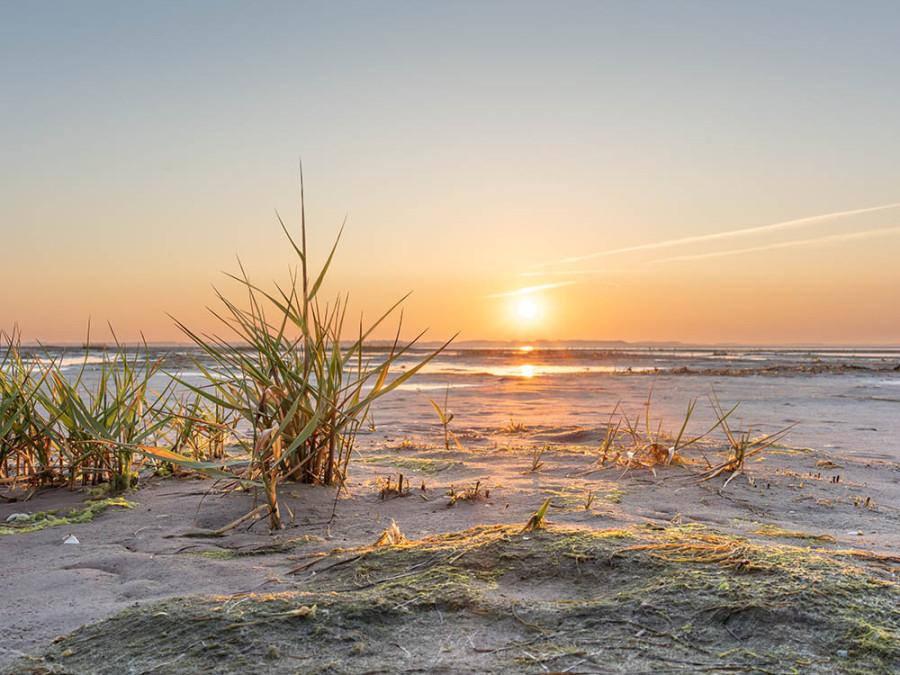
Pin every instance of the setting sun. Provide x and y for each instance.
(527, 309)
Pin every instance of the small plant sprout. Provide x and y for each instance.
(446, 417)
(536, 522)
(536, 454)
(647, 406)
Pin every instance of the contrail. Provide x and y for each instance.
(784, 244)
(582, 272)
(530, 289)
(800, 222)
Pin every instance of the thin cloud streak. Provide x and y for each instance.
(787, 224)
(531, 289)
(784, 244)
(581, 272)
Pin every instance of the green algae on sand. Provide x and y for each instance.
(65, 516)
(494, 597)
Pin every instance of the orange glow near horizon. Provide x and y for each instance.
(837, 296)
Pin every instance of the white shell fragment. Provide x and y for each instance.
(72, 539)
(17, 517)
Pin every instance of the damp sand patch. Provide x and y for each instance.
(494, 597)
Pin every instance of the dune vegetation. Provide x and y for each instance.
(286, 394)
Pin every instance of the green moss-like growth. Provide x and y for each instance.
(429, 467)
(768, 530)
(583, 497)
(496, 598)
(281, 547)
(66, 516)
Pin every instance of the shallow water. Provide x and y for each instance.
(842, 400)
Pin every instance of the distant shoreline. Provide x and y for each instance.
(617, 345)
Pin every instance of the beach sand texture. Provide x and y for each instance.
(792, 564)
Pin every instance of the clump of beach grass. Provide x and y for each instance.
(392, 536)
(55, 429)
(101, 427)
(629, 446)
(283, 371)
(286, 373)
(27, 453)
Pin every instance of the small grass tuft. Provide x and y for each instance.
(536, 522)
(389, 490)
(392, 536)
(514, 427)
(536, 458)
(473, 493)
(446, 417)
(588, 499)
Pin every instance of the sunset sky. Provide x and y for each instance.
(696, 171)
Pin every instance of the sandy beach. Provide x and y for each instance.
(450, 337)
(788, 501)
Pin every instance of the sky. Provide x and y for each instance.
(705, 172)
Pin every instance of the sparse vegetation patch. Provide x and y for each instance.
(497, 598)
